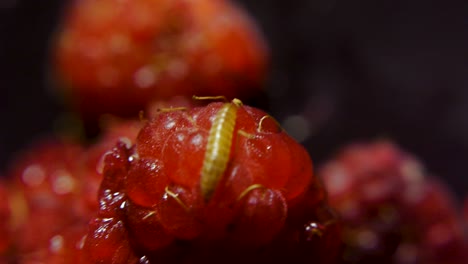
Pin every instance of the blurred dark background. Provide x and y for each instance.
(342, 71)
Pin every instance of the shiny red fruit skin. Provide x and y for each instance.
(116, 56)
(267, 205)
(392, 212)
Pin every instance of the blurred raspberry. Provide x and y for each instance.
(392, 213)
(116, 56)
(267, 206)
(46, 203)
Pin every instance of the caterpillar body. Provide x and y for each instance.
(218, 148)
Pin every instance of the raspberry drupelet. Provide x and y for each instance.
(264, 204)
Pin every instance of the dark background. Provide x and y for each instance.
(357, 70)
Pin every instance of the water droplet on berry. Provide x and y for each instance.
(134, 157)
(312, 230)
(170, 123)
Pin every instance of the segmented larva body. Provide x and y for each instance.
(218, 148)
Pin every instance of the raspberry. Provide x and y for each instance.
(46, 202)
(113, 131)
(266, 205)
(116, 56)
(391, 211)
(55, 189)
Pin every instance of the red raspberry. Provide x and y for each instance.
(266, 205)
(115, 56)
(48, 181)
(113, 131)
(391, 212)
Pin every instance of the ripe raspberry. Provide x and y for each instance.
(391, 212)
(266, 206)
(116, 56)
(113, 131)
(47, 179)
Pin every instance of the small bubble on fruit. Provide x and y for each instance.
(64, 182)
(33, 175)
(123, 205)
(145, 77)
(297, 126)
(133, 157)
(313, 229)
(56, 243)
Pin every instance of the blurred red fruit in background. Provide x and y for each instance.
(391, 212)
(116, 56)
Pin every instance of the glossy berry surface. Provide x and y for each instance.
(116, 56)
(392, 212)
(53, 193)
(267, 205)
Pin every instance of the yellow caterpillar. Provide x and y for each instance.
(218, 148)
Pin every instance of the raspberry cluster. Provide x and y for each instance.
(392, 212)
(172, 179)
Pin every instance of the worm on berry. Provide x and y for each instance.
(218, 148)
